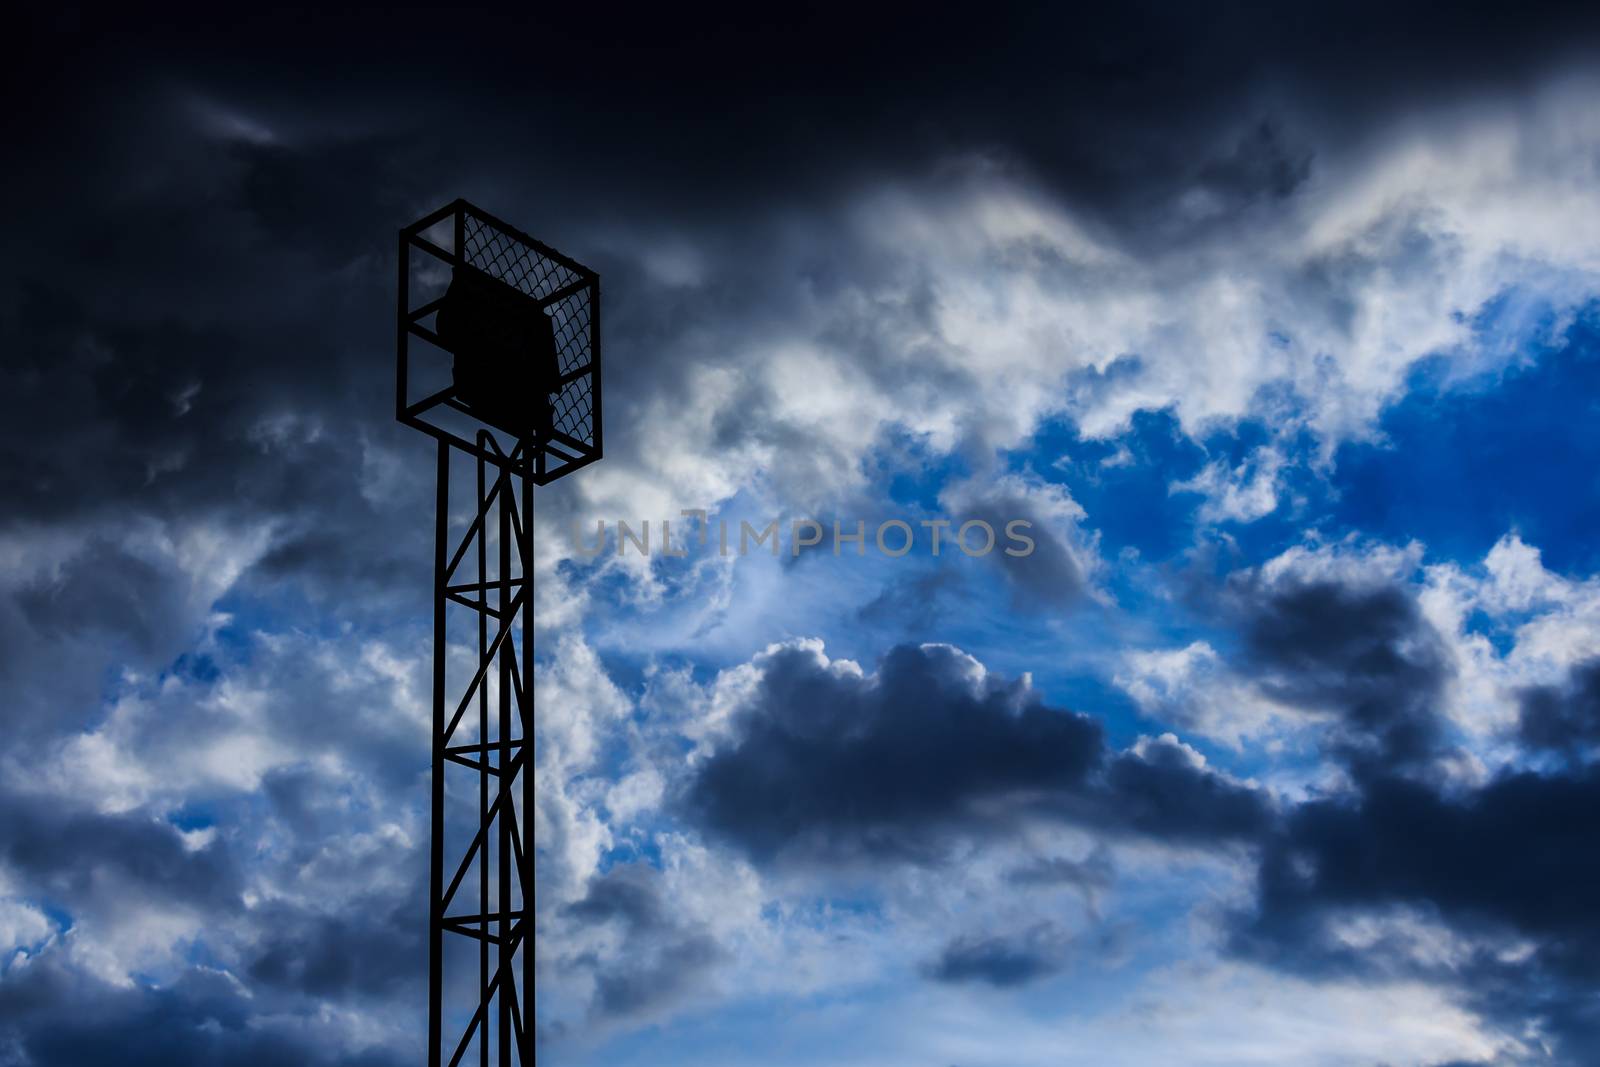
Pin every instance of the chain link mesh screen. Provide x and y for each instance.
(523, 266)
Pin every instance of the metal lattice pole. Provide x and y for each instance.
(498, 358)
(498, 603)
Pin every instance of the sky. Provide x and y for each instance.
(1279, 327)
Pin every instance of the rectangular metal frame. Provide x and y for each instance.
(560, 285)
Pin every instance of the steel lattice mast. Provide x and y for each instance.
(498, 359)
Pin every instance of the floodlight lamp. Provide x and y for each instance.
(503, 345)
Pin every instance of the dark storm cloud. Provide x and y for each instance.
(1511, 853)
(1017, 958)
(372, 948)
(850, 760)
(1564, 718)
(103, 871)
(1159, 790)
(1111, 101)
(1094, 872)
(63, 631)
(60, 1018)
(249, 989)
(625, 893)
(194, 343)
(106, 594)
(656, 980)
(198, 327)
(1362, 653)
(87, 860)
(890, 766)
(1507, 862)
(104, 868)
(1003, 961)
(234, 383)
(662, 959)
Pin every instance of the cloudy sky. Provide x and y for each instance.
(1282, 747)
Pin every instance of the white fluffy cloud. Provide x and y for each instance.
(1241, 493)
(1552, 621)
(175, 738)
(1193, 688)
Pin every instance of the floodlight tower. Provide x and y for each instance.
(498, 359)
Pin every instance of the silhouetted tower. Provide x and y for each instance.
(499, 360)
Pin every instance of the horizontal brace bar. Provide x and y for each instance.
(430, 400)
(427, 335)
(457, 442)
(570, 442)
(481, 916)
(433, 218)
(513, 743)
(573, 375)
(479, 587)
(560, 453)
(477, 934)
(466, 602)
(472, 924)
(477, 765)
(429, 247)
(426, 309)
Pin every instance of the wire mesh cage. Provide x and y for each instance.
(498, 331)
